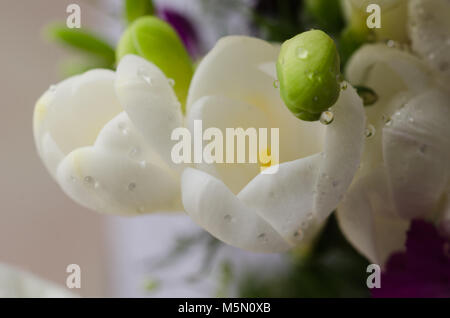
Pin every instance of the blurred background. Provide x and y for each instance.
(43, 231)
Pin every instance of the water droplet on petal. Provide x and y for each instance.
(262, 237)
(344, 86)
(89, 180)
(370, 131)
(134, 153)
(326, 117)
(386, 120)
(171, 82)
(143, 164)
(228, 218)
(391, 43)
(52, 88)
(302, 53)
(131, 186)
(299, 235)
(123, 129)
(142, 74)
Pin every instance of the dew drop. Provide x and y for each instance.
(316, 98)
(143, 164)
(142, 74)
(391, 43)
(52, 88)
(302, 53)
(276, 83)
(326, 117)
(309, 216)
(89, 180)
(123, 129)
(262, 237)
(386, 120)
(310, 76)
(299, 234)
(228, 218)
(171, 82)
(131, 186)
(344, 86)
(370, 131)
(134, 153)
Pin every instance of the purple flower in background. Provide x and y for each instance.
(423, 270)
(184, 28)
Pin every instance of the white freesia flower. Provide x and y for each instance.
(234, 87)
(404, 170)
(105, 138)
(425, 24)
(15, 283)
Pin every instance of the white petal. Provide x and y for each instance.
(343, 148)
(77, 109)
(222, 113)
(215, 208)
(285, 199)
(150, 102)
(120, 174)
(367, 218)
(236, 68)
(429, 30)
(401, 70)
(416, 151)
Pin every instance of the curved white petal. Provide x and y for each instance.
(71, 114)
(402, 71)
(238, 67)
(285, 199)
(429, 30)
(416, 151)
(16, 283)
(343, 148)
(215, 208)
(120, 174)
(367, 218)
(149, 100)
(221, 112)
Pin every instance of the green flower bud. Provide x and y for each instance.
(309, 74)
(156, 41)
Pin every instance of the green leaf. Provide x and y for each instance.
(137, 8)
(82, 40)
(157, 42)
(74, 66)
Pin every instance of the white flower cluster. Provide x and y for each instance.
(106, 139)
